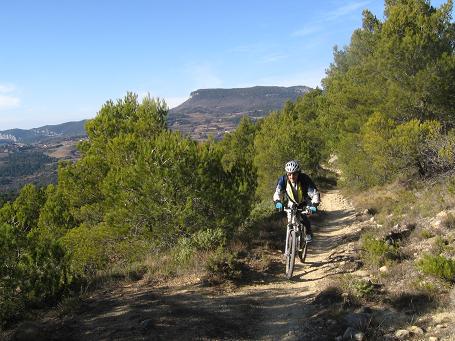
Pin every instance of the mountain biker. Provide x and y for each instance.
(297, 188)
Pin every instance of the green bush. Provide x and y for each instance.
(32, 271)
(10, 299)
(438, 266)
(223, 264)
(385, 150)
(425, 234)
(378, 251)
(208, 239)
(262, 210)
(362, 288)
(354, 161)
(89, 249)
(202, 240)
(43, 271)
(183, 251)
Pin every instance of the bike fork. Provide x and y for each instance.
(286, 251)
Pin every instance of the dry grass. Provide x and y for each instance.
(162, 267)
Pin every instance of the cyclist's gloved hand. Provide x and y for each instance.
(313, 209)
(278, 205)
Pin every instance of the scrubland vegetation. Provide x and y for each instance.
(143, 201)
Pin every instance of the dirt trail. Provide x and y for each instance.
(292, 320)
(269, 307)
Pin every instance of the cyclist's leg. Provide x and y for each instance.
(309, 231)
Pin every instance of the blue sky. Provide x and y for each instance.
(62, 60)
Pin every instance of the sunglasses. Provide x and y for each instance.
(292, 174)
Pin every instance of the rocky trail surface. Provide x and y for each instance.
(266, 306)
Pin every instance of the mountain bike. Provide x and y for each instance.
(295, 238)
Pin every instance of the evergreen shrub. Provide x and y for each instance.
(438, 266)
(223, 264)
(378, 252)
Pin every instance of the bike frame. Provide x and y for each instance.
(297, 230)
(294, 224)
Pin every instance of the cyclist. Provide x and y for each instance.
(297, 188)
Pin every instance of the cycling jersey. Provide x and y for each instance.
(303, 191)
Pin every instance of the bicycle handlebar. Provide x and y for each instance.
(307, 210)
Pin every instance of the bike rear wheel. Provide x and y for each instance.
(290, 257)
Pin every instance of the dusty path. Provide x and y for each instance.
(294, 312)
(267, 308)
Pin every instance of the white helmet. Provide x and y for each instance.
(292, 166)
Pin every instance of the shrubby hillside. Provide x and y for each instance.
(149, 200)
(136, 187)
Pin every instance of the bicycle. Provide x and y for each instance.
(295, 238)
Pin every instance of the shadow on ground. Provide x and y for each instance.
(188, 315)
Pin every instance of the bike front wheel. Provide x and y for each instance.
(290, 257)
(303, 250)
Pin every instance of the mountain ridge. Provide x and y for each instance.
(246, 99)
(47, 132)
(217, 111)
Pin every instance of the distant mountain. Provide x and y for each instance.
(206, 112)
(45, 133)
(216, 111)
